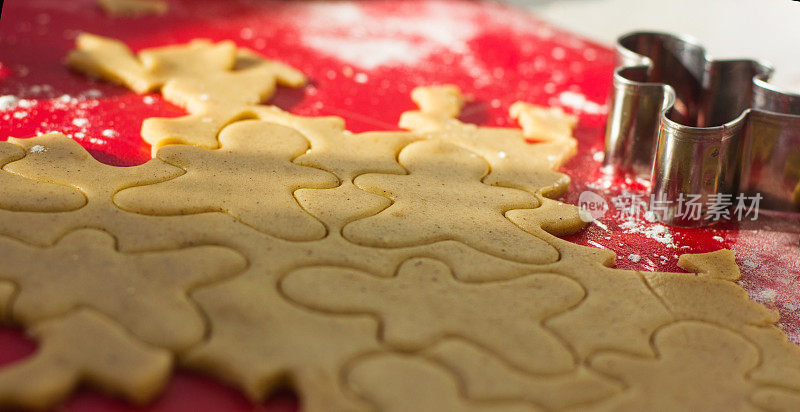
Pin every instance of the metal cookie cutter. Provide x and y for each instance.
(699, 126)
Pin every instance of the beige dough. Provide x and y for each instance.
(145, 292)
(415, 270)
(486, 377)
(216, 83)
(123, 8)
(17, 193)
(251, 177)
(403, 383)
(689, 373)
(425, 200)
(513, 161)
(423, 304)
(777, 399)
(7, 291)
(84, 347)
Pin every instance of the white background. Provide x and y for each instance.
(762, 29)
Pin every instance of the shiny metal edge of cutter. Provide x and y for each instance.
(696, 126)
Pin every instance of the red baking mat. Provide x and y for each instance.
(363, 59)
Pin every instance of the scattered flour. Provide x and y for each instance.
(579, 103)
(765, 295)
(770, 267)
(8, 101)
(80, 122)
(38, 149)
(346, 31)
(92, 94)
(657, 232)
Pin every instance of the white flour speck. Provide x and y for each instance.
(38, 149)
(8, 101)
(110, 133)
(346, 31)
(93, 93)
(579, 102)
(766, 295)
(80, 122)
(657, 232)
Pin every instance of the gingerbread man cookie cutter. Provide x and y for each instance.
(697, 126)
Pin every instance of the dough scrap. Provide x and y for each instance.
(109, 359)
(216, 83)
(126, 8)
(112, 60)
(610, 338)
(403, 383)
(719, 264)
(543, 123)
